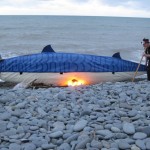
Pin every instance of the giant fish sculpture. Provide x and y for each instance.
(67, 69)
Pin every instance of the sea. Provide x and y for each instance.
(96, 35)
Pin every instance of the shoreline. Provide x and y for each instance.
(106, 116)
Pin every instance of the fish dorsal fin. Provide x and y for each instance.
(48, 49)
(1, 58)
(117, 55)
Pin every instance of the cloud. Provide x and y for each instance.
(129, 8)
(80, 1)
(18, 3)
(137, 4)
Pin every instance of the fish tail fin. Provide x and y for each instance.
(0, 60)
(0, 72)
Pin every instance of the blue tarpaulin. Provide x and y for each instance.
(67, 62)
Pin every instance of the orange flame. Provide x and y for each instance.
(75, 82)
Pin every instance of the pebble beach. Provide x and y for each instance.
(106, 116)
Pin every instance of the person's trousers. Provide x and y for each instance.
(148, 72)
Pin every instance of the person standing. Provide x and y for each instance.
(146, 54)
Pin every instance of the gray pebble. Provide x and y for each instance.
(139, 136)
(48, 146)
(128, 128)
(56, 134)
(14, 146)
(64, 146)
(124, 145)
(82, 144)
(147, 145)
(141, 144)
(96, 144)
(29, 146)
(134, 147)
(115, 129)
(80, 125)
(5, 116)
(104, 132)
(72, 138)
(3, 125)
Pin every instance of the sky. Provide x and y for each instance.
(120, 8)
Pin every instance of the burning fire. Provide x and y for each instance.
(75, 82)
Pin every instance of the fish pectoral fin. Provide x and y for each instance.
(21, 85)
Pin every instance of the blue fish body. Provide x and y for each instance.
(67, 62)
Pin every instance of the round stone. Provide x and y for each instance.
(124, 145)
(14, 146)
(80, 125)
(139, 136)
(128, 128)
(56, 134)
